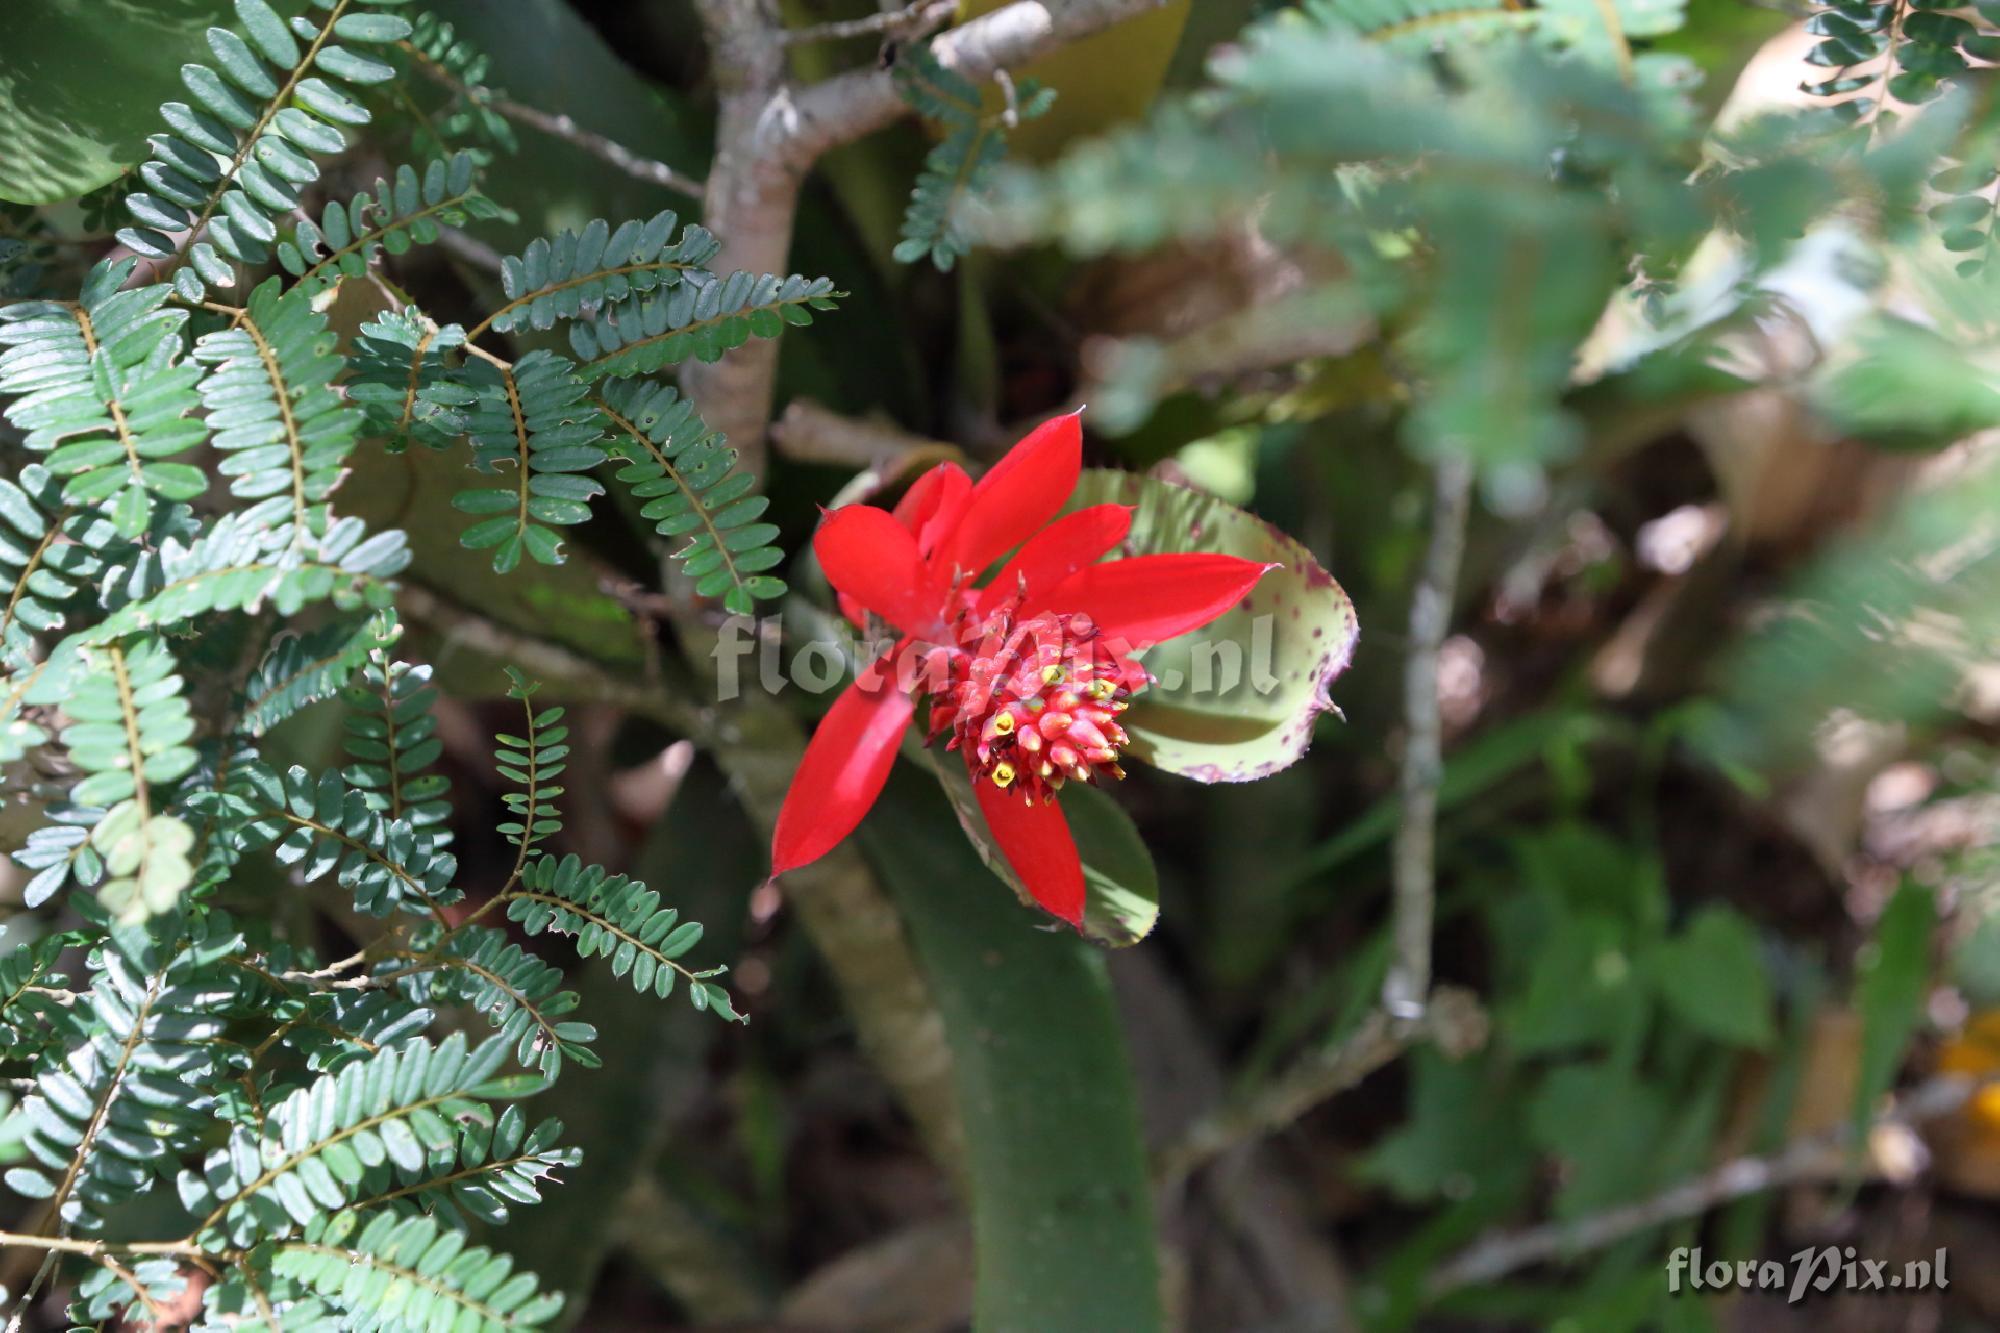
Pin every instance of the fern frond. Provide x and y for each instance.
(1966, 217)
(128, 722)
(1875, 51)
(243, 561)
(316, 1148)
(301, 670)
(19, 734)
(127, 730)
(518, 993)
(134, 1286)
(33, 1015)
(323, 826)
(1422, 27)
(324, 1030)
(495, 1163)
(616, 918)
(413, 1264)
(532, 419)
(48, 554)
(391, 735)
(131, 1096)
(435, 43)
(281, 428)
(577, 273)
(682, 470)
(403, 383)
(534, 761)
(147, 861)
(698, 319)
(100, 388)
(238, 155)
(409, 211)
(60, 852)
(961, 164)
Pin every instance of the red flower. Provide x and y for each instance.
(1028, 673)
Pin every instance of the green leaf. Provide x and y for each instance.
(1894, 973)
(1237, 699)
(82, 88)
(1062, 1208)
(1712, 974)
(1122, 888)
(1605, 1123)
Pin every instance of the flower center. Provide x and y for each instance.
(1034, 703)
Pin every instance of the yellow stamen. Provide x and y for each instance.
(1102, 689)
(1003, 725)
(1054, 675)
(1003, 776)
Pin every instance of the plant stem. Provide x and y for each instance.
(1821, 1157)
(906, 24)
(1409, 980)
(559, 126)
(1452, 1018)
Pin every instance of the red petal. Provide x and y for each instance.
(1019, 494)
(873, 559)
(933, 503)
(1072, 542)
(1036, 841)
(1151, 598)
(842, 773)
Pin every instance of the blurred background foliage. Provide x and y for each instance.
(1720, 794)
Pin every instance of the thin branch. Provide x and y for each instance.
(768, 134)
(1409, 979)
(913, 21)
(97, 1248)
(1820, 1157)
(1452, 1019)
(1010, 116)
(662, 1236)
(563, 127)
(844, 108)
(471, 249)
(810, 433)
(570, 672)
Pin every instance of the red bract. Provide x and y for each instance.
(1027, 674)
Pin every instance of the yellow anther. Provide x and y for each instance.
(1102, 689)
(1003, 725)
(1003, 775)
(1054, 675)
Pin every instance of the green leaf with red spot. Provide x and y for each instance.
(1235, 700)
(1122, 889)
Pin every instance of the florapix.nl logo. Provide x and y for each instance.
(1813, 1271)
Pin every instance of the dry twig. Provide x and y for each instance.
(1820, 1157)
(1409, 980)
